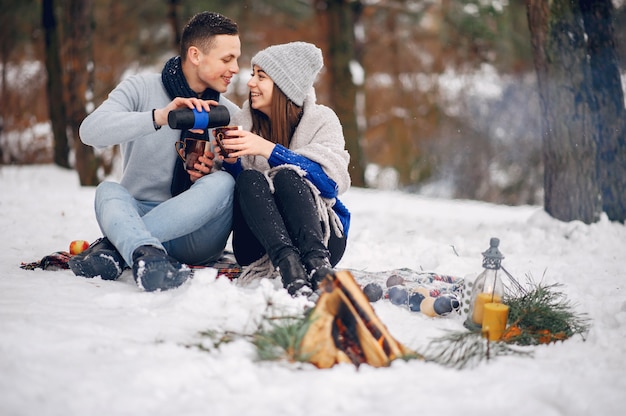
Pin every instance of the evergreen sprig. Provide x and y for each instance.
(281, 338)
(466, 349)
(543, 314)
(275, 336)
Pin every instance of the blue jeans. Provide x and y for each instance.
(192, 227)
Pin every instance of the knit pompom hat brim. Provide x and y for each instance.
(292, 66)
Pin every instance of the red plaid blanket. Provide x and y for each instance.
(225, 265)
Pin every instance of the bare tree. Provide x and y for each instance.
(341, 16)
(56, 103)
(172, 17)
(80, 25)
(608, 106)
(569, 152)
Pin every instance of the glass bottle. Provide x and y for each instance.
(488, 286)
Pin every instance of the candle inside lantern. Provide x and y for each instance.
(495, 316)
(479, 304)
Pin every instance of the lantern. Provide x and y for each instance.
(488, 286)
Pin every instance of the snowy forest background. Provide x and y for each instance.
(445, 93)
(447, 105)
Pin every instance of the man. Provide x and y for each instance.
(160, 218)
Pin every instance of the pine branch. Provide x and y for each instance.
(466, 349)
(275, 336)
(282, 339)
(543, 314)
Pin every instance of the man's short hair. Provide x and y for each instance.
(201, 30)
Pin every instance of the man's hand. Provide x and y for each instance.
(203, 167)
(160, 114)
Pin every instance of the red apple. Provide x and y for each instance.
(78, 246)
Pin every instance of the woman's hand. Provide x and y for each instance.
(242, 142)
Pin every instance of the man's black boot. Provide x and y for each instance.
(101, 258)
(154, 269)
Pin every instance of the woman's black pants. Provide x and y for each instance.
(279, 223)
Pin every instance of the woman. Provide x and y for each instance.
(290, 164)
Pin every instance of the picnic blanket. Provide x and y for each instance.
(226, 265)
(429, 293)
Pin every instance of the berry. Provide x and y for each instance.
(415, 300)
(373, 291)
(445, 304)
(395, 280)
(398, 295)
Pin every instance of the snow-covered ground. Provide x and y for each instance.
(74, 346)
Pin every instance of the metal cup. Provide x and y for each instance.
(192, 150)
(219, 134)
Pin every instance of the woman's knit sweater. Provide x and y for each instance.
(317, 147)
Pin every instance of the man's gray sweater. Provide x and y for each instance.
(125, 118)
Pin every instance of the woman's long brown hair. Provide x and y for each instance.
(285, 118)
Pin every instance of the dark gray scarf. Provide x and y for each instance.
(176, 86)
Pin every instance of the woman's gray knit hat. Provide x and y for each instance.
(292, 66)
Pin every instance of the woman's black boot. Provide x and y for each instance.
(317, 268)
(294, 277)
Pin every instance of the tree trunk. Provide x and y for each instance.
(172, 18)
(399, 130)
(341, 15)
(54, 85)
(80, 24)
(565, 89)
(609, 109)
